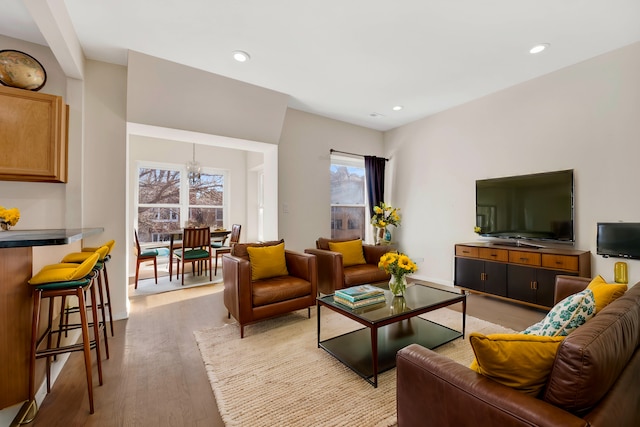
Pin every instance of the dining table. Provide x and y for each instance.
(175, 242)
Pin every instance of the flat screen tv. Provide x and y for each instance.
(618, 239)
(536, 207)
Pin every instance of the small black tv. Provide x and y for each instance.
(534, 207)
(618, 239)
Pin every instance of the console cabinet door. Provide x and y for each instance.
(483, 276)
(521, 281)
(469, 273)
(547, 286)
(534, 285)
(495, 278)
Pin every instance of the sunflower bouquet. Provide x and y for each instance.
(398, 265)
(8, 217)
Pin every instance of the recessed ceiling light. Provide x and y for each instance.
(539, 48)
(241, 56)
(397, 108)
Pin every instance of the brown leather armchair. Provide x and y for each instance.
(333, 275)
(251, 301)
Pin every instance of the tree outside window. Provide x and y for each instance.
(165, 197)
(348, 207)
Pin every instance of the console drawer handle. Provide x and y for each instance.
(494, 255)
(524, 259)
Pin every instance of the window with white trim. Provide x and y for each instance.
(166, 200)
(348, 200)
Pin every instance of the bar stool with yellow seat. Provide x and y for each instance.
(71, 260)
(55, 281)
(103, 282)
(110, 244)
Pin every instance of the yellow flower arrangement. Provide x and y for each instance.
(398, 265)
(384, 215)
(9, 217)
(477, 229)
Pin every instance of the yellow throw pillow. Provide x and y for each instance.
(605, 293)
(522, 362)
(351, 251)
(267, 261)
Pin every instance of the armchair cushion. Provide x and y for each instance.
(522, 362)
(323, 242)
(351, 251)
(240, 249)
(281, 288)
(605, 293)
(267, 261)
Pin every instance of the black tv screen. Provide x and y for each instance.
(618, 239)
(537, 206)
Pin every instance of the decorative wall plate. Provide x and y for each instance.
(18, 69)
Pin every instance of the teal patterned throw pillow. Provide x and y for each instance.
(566, 316)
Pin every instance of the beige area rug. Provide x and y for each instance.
(277, 375)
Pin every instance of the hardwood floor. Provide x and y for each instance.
(155, 376)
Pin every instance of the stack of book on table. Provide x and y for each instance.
(359, 296)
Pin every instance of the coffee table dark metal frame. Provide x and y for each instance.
(391, 327)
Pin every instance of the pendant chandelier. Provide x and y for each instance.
(193, 169)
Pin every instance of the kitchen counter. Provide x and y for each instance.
(46, 237)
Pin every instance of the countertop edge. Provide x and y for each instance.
(45, 237)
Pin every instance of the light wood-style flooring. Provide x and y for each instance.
(155, 376)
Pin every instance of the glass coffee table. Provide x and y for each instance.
(388, 327)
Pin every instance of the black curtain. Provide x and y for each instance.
(374, 169)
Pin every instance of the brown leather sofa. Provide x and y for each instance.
(595, 379)
(333, 275)
(251, 301)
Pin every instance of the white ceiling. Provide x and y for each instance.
(347, 59)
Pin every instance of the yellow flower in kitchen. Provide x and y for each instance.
(9, 216)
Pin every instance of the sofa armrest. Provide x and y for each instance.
(433, 390)
(330, 270)
(303, 266)
(236, 274)
(372, 253)
(569, 285)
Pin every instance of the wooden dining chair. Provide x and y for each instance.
(144, 256)
(218, 251)
(173, 245)
(196, 247)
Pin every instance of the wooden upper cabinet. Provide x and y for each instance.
(33, 136)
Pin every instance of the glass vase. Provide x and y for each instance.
(398, 285)
(380, 235)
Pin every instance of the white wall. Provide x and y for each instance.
(584, 117)
(304, 178)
